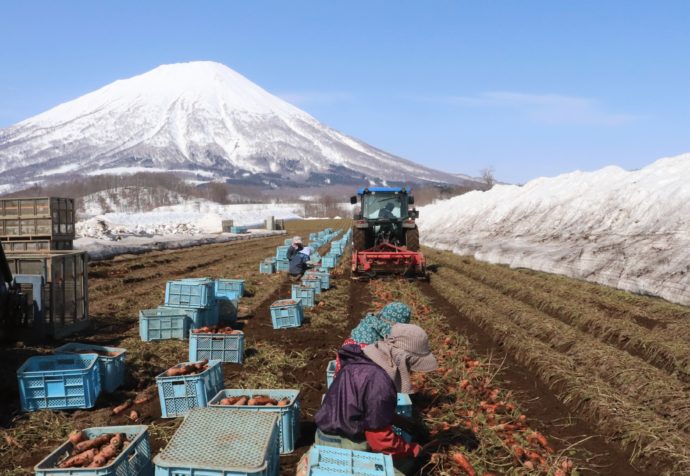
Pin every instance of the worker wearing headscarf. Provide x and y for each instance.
(374, 327)
(359, 408)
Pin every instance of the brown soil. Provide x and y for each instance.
(121, 286)
(537, 400)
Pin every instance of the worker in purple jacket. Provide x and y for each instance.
(358, 411)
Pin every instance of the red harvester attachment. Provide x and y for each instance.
(387, 258)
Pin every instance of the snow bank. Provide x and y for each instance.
(629, 230)
(100, 249)
(193, 217)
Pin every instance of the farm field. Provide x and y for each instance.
(540, 373)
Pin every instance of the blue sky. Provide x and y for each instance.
(529, 88)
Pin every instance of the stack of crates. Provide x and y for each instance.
(312, 282)
(37, 224)
(305, 294)
(287, 313)
(194, 294)
(282, 265)
(222, 442)
(135, 458)
(281, 252)
(228, 293)
(238, 229)
(325, 278)
(288, 424)
(329, 261)
(181, 393)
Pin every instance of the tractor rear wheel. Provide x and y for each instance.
(412, 239)
(359, 239)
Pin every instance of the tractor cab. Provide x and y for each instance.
(384, 203)
(385, 236)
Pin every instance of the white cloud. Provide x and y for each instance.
(546, 108)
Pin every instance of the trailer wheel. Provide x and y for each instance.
(412, 239)
(359, 239)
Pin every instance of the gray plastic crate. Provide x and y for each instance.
(288, 425)
(222, 442)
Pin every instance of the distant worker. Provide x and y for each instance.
(298, 256)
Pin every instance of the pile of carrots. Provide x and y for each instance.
(256, 400)
(192, 368)
(216, 330)
(284, 302)
(93, 453)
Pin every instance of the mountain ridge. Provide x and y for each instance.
(197, 116)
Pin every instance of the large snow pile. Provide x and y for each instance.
(127, 200)
(630, 230)
(190, 218)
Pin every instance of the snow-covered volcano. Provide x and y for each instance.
(201, 117)
(629, 230)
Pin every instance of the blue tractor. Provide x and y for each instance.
(385, 237)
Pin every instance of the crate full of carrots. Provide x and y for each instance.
(101, 451)
(283, 402)
(188, 385)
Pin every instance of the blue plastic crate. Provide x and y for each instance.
(288, 424)
(287, 241)
(223, 347)
(315, 245)
(336, 248)
(134, 460)
(404, 405)
(229, 288)
(313, 236)
(281, 252)
(312, 282)
(329, 461)
(238, 229)
(282, 265)
(189, 293)
(181, 393)
(59, 382)
(287, 313)
(324, 277)
(267, 267)
(198, 316)
(304, 293)
(329, 261)
(222, 442)
(162, 324)
(330, 373)
(111, 367)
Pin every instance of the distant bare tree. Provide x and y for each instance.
(488, 176)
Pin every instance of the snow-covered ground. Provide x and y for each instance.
(629, 230)
(99, 249)
(190, 223)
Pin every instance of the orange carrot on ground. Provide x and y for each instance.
(462, 461)
(121, 408)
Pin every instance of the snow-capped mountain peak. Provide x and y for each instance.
(200, 117)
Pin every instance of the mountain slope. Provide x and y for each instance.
(201, 117)
(629, 230)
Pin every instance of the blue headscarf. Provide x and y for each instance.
(374, 327)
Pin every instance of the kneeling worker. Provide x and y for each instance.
(359, 409)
